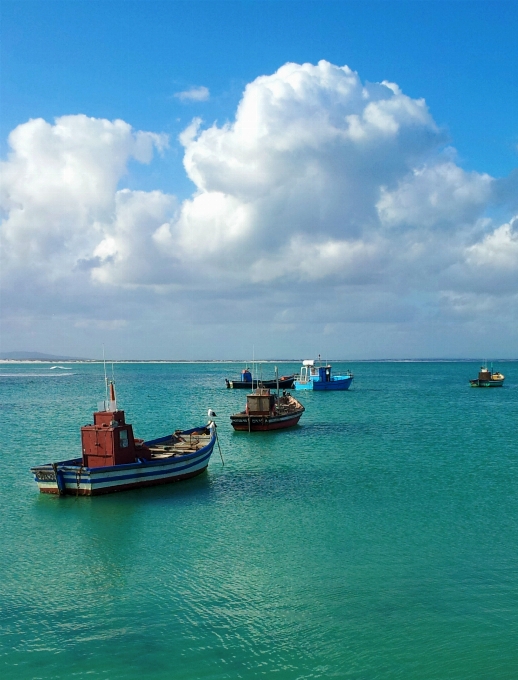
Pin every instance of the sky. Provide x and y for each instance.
(214, 179)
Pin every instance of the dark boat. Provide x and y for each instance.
(113, 460)
(266, 411)
(248, 382)
(486, 378)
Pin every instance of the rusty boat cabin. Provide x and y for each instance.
(110, 441)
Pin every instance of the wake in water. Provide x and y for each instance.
(36, 375)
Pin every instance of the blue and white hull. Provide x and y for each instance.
(164, 464)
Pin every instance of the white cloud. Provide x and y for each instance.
(306, 155)
(435, 195)
(313, 260)
(323, 187)
(490, 265)
(194, 94)
(127, 254)
(499, 249)
(59, 191)
(323, 178)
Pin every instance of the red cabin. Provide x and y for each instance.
(109, 441)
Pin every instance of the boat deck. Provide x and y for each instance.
(179, 445)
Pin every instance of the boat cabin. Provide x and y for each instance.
(309, 372)
(246, 375)
(484, 374)
(109, 440)
(260, 403)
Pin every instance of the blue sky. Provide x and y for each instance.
(129, 61)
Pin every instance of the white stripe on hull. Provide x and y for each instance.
(87, 481)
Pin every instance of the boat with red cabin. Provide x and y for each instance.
(114, 460)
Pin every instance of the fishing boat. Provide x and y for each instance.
(487, 378)
(320, 378)
(114, 460)
(265, 411)
(246, 381)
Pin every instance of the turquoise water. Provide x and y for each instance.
(379, 539)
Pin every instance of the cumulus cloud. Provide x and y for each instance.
(322, 185)
(498, 249)
(127, 253)
(324, 178)
(59, 192)
(194, 94)
(490, 265)
(434, 196)
(305, 157)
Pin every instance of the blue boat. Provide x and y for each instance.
(320, 378)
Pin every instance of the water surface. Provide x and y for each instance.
(378, 539)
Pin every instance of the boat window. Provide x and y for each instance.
(123, 439)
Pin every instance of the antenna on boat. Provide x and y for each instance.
(105, 377)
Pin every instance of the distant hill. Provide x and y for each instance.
(37, 356)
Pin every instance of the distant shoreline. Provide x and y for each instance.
(241, 361)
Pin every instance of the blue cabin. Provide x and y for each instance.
(246, 375)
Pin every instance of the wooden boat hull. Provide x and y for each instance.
(242, 422)
(71, 478)
(284, 383)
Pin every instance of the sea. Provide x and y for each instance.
(378, 539)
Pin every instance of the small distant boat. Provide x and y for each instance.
(63, 368)
(320, 378)
(248, 382)
(265, 411)
(113, 460)
(486, 378)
